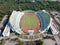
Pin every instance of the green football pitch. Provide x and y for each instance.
(29, 21)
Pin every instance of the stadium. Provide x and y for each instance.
(30, 25)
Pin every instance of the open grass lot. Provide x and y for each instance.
(29, 21)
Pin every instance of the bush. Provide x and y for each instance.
(20, 43)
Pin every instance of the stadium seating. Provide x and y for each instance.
(43, 19)
(14, 20)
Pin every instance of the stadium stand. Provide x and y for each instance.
(14, 20)
(43, 19)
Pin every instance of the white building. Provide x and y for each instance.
(6, 32)
(57, 18)
(54, 27)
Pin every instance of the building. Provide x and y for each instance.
(54, 27)
(57, 18)
(28, 24)
(6, 32)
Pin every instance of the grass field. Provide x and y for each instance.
(29, 21)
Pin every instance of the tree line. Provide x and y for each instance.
(7, 6)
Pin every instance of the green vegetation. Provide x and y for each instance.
(20, 43)
(2, 42)
(2, 28)
(7, 6)
(41, 43)
(58, 18)
(29, 21)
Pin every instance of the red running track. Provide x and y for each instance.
(36, 28)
